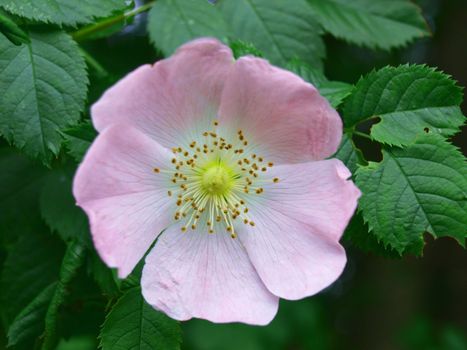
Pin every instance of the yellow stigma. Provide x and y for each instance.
(217, 179)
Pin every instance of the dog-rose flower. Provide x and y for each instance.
(220, 162)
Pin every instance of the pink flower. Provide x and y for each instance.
(225, 158)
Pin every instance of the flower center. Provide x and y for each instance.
(217, 180)
(214, 180)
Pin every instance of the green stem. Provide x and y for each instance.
(72, 261)
(361, 134)
(82, 33)
(93, 63)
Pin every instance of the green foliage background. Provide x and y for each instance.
(392, 68)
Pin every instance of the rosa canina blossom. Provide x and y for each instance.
(226, 158)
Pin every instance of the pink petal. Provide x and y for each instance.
(315, 193)
(280, 112)
(293, 261)
(168, 99)
(298, 222)
(196, 274)
(126, 202)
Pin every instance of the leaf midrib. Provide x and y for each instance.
(36, 101)
(422, 209)
(373, 14)
(266, 28)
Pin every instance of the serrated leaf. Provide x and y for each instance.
(44, 85)
(409, 99)
(174, 22)
(358, 234)
(29, 323)
(72, 261)
(31, 265)
(375, 24)
(282, 30)
(333, 91)
(133, 324)
(421, 188)
(58, 207)
(11, 30)
(78, 139)
(349, 154)
(67, 12)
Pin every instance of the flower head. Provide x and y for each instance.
(225, 158)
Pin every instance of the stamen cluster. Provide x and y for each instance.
(212, 181)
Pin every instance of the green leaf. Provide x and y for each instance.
(358, 234)
(19, 206)
(409, 99)
(72, 261)
(59, 209)
(44, 87)
(63, 12)
(31, 265)
(376, 24)
(242, 48)
(78, 139)
(421, 188)
(308, 73)
(103, 275)
(349, 154)
(42, 312)
(334, 91)
(282, 30)
(133, 324)
(174, 22)
(29, 323)
(84, 308)
(11, 30)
